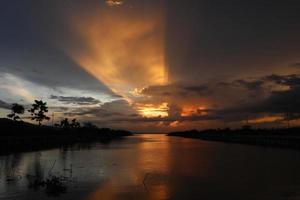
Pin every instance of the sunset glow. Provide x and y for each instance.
(154, 65)
(192, 110)
(149, 99)
(150, 110)
(122, 50)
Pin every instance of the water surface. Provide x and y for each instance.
(155, 167)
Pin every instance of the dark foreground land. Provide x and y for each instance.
(21, 136)
(285, 137)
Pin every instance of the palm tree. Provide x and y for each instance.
(38, 110)
(16, 110)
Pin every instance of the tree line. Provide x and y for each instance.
(38, 113)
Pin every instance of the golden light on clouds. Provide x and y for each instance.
(114, 2)
(266, 119)
(174, 124)
(188, 110)
(16, 87)
(151, 110)
(122, 49)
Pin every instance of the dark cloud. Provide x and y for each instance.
(112, 109)
(288, 80)
(29, 48)
(277, 103)
(176, 89)
(216, 39)
(121, 112)
(76, 100)
(51, 68)
(174, 111)
(200, 90)
(4, 105)
(167, 119)
(296, 65)
(292, 116)
(238, 99)
(259, 84)
(64, 109)
(209, 47)
(281, 102)
(250, 85)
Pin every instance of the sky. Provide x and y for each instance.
(153, 66)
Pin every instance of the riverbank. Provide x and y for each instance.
(284, 138)
(22, 136)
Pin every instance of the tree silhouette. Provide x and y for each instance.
(65, 123)
(38, 110)
(16, 110)
(75, 123)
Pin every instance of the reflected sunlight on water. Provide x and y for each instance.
(154, 167)
(148, 171)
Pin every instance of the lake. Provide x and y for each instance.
(154, 166)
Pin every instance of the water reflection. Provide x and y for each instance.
(145, 175)
(155, 167)
(11, 168)
(37, 172)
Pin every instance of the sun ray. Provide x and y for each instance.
(123, 50)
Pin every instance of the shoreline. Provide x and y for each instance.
(21, 136)
(278, 138)
(10, 145)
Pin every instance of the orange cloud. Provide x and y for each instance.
(114, 2)
(122, 49)
(151, 110)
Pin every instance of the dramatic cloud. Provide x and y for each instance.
(250, 85)
(114, 2)
(260, 99)
(28, 50)
(287, 80)
(122, 48)
(283, 102)
(76, 100)
(107, 110)
(153, 65)
(4, 105)
(217, 40)
(296, 65)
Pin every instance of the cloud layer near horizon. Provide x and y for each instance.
(153, 66)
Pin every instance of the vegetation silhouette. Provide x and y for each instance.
(279, 137)
(17, 135)
(38, 110)
(75, 123)
(65, 124)
(54, 185)
(16, 110)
